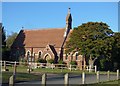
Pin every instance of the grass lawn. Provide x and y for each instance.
(112, 82)
(23, 69)
(20, 77)
(19, 68)
(106, 83)
(56, 70)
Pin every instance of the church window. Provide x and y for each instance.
(47, 57)
(76, 55)
(40, 54)
(28, 56)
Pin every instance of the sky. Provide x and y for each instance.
(60, 0)
(41, 15)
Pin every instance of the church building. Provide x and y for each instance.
(46, 44)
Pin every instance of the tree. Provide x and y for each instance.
(6, 43)
(10, 39)
(116, 50)
(94, 40)
(5, 50)
(2, 32)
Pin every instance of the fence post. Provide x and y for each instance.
(14, 71)
(66, 79)
(98, 77)
(52, 65)
(44, 79)
(29, 69)
(4, 65)
(87, 68)
(11, 80)
(117, 74)
(83, 78)
(108, 75)
(90, 68)
(95, 68)
(61, 68)
(70, 67)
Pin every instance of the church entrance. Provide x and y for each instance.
(47, 57)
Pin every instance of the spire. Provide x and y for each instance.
(68, 23)
(69, 17)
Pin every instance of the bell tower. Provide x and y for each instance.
(68, 23)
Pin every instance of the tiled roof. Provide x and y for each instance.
(40, 38)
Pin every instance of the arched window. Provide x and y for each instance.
(47, 56)
(76, 55)
(39, 54)
(28, 56)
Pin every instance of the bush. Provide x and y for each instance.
(23, 60)
(41, 60)
(73, 63)
(61, 62)
(50, 61)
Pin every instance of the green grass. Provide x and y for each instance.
(23, 69)
(105, 72)
(106, 83)
(56, 70)
(20, 76)
(19, 68)
(5, 76)
(111, 82)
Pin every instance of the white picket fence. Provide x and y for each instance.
(33, 65)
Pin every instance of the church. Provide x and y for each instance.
(46, 44)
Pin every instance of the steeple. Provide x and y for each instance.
(68, 23)
(69, 17)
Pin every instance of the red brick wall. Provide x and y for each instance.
(80, 61)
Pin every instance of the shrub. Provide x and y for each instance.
(61, 62)
(73, 63)
(41, 60)
(23, 61)
(51, 61)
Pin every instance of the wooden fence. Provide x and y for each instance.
(31, 66)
